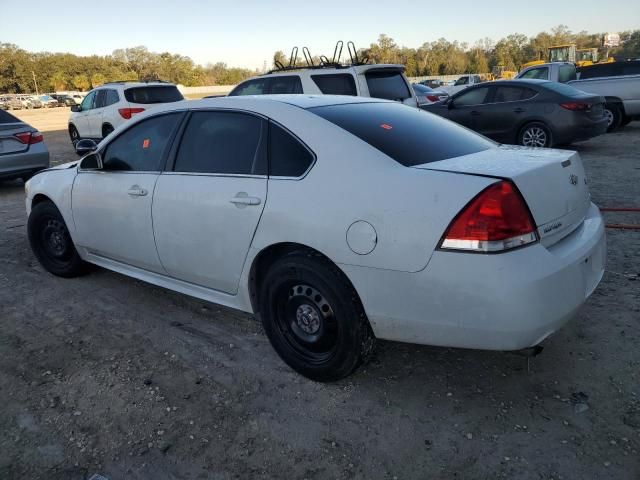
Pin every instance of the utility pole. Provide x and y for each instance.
(34, 81)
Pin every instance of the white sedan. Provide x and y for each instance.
(336, 220)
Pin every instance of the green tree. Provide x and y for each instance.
(98, 79)
(81, 82)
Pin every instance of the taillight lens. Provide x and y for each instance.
(433, 98)
(576, 106)
(497, 219)
(127, 113)
(29, 138)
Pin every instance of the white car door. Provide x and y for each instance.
(206, 211)
(112, 206)
(94, 120)
(81, 118)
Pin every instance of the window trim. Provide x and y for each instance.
(179, 136)
(165, 153)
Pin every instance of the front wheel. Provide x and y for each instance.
(313, 317)
(535, 134)
(51, 242)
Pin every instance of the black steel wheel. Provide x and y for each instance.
(73, 134)
(314, 318)
(51, 242)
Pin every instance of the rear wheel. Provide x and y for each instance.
(613, 115)
(51, 242)
(535, 134)
(314, 318)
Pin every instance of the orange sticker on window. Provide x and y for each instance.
(145, 143)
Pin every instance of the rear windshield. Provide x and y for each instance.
(6, 117)
(164, 94)
(387, 85)
(563, 89)
(408, 135)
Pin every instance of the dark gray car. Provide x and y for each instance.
(22, 149)
(534, 113)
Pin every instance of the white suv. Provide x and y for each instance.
(107, 107)
(379, 81)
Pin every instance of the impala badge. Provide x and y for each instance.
(573, 179)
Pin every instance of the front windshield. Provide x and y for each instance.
(462, 81)
(559, 54)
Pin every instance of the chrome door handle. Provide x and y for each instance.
(242, 199)
(136, 191)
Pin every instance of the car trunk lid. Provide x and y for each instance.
(552, 182)
(9, 127)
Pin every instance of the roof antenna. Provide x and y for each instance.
(307, 57)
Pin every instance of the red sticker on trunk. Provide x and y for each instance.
(386, 126)
(145, 143)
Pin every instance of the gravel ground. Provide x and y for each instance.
(105, 374)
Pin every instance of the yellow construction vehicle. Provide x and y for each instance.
(586, 56)
(500, 72)
(582, 57)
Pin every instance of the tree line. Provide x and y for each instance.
(65, 71)
(442, 57)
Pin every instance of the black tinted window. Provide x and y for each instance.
(112, 97)
(223, 142)
(387, 85)
(160, 94)
(475, 96)
(289, 84)
(101, 97)
(338, 84)
(252, 87)
(287, 156)
(408, 135)
(141, 147)
(512, 94)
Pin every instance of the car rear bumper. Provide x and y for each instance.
(18, 164)
(505, 301)
(583, 129)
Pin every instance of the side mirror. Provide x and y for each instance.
(76, 108)
(85, 146)
(93, 161)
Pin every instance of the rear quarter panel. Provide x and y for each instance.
(351, 181)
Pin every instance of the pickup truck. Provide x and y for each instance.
(622, 93)
(461, 83)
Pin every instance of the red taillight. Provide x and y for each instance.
(127, 113)
(576, 106)
(497, 219)
(29, 138)
(433, 98)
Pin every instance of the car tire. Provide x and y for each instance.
(535, 134)
(313, 317)
(614, 116)
(106, 130)
(51, 243)
(74, 135)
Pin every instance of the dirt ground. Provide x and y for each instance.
(105, 374)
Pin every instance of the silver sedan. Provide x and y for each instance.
(22, 149)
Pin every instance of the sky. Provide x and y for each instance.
(246, 33)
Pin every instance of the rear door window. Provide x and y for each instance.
(112, 97)
(336, 84)
(387, 85)
(153, 94)
(141, 147)
(475, 96)
(282, 84)
(287, 156)
(251, 87)
(101, 99)
(410, 136)
(512, 94)
(223, 143)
